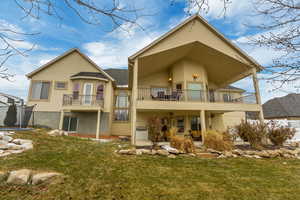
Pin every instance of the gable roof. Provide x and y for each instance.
(210, 27)
(282, 107)
(64, 55)
(120, 75)
(90, 74)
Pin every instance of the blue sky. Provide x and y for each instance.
(111, 49)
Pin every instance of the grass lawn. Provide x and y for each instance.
(93, 171)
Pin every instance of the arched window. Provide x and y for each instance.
(100, 92)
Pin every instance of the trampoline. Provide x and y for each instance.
(16, 129)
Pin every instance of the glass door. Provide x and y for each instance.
(195, 91)
(87, 93)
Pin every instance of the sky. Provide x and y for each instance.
(111, 49)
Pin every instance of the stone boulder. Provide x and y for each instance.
(21, 141)
(12, 146)
(162, 152)
(208, 155)
(42, 177)
(57, 132)
(19, 177)
(7, 138)
(3, 145)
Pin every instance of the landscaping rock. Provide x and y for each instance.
(208, 155)
(21, 141)
(228, 154)
(19, 177)
(146, 151)
(42, 177)
(214, 151)
(171, 156)
(27, 146)
(170, 149)
(162, 152)
(263, 154)
(7, 138)
(3, 145)
(238, 152)
(12, 146)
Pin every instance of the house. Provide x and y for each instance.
(183, 77)
(286, 110)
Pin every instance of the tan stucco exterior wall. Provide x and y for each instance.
(62, 70)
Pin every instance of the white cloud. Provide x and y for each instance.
(121, 44)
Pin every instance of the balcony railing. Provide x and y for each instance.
(166, 94)
(82, 100)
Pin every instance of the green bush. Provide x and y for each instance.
(254, 133)
(280, 134)
(218, 141)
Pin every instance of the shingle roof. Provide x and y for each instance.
(90, 74)
(120, 75)
(230, 87)
(287, 106)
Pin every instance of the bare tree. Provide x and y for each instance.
(92, 12)
(281, 32)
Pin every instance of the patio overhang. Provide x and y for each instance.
(221, 68)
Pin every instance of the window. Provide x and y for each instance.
(40, 90)
(59, 85)
(70, 123)
(195, 91)
(180, 124)
(100, 92)
(227, 97)
(76, 87)
(122, 107)
(195, 123)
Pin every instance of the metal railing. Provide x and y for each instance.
(167, 94)
(82, 100)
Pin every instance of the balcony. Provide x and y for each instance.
(170, 99)
(166, 94)
(83, 101)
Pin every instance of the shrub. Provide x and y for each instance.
(280, 134)
(253, 133)
(154, 129)
(218, 141)
(184, 145)
(11, 116)
(172, 132)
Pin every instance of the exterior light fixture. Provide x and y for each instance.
(170, 79)
(195, 76)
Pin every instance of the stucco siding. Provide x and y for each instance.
(121, 128)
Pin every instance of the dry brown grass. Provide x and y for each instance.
(218, 141)
(185, 145)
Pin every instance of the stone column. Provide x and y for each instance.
(133, 101)
(203, 125)
(98, 124)
(61, 121)
(257, 94)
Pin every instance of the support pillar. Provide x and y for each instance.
(257, 94)
(98, 124)
(61, 121)
(133, 101)
(203, 125)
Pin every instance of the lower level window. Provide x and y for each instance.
(180, 125)
(121, 114)
(70, 124)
